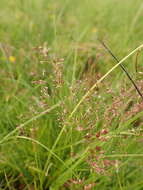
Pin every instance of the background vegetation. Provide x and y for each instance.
(50, 57)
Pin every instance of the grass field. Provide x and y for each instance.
(69, 119)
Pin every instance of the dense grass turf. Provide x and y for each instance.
(57, 132)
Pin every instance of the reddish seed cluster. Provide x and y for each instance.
(135, 109)
(80, 128)
(76, 181)
(95, 167)
(100, 135)
(98, 148)
(80, 184)
(89, 186)
(88, 136)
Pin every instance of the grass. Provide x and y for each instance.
(70, 119)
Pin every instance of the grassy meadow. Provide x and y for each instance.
(69, 119)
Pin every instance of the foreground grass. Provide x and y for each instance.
(50, 58)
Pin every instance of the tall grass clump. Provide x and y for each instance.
(70, 118)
